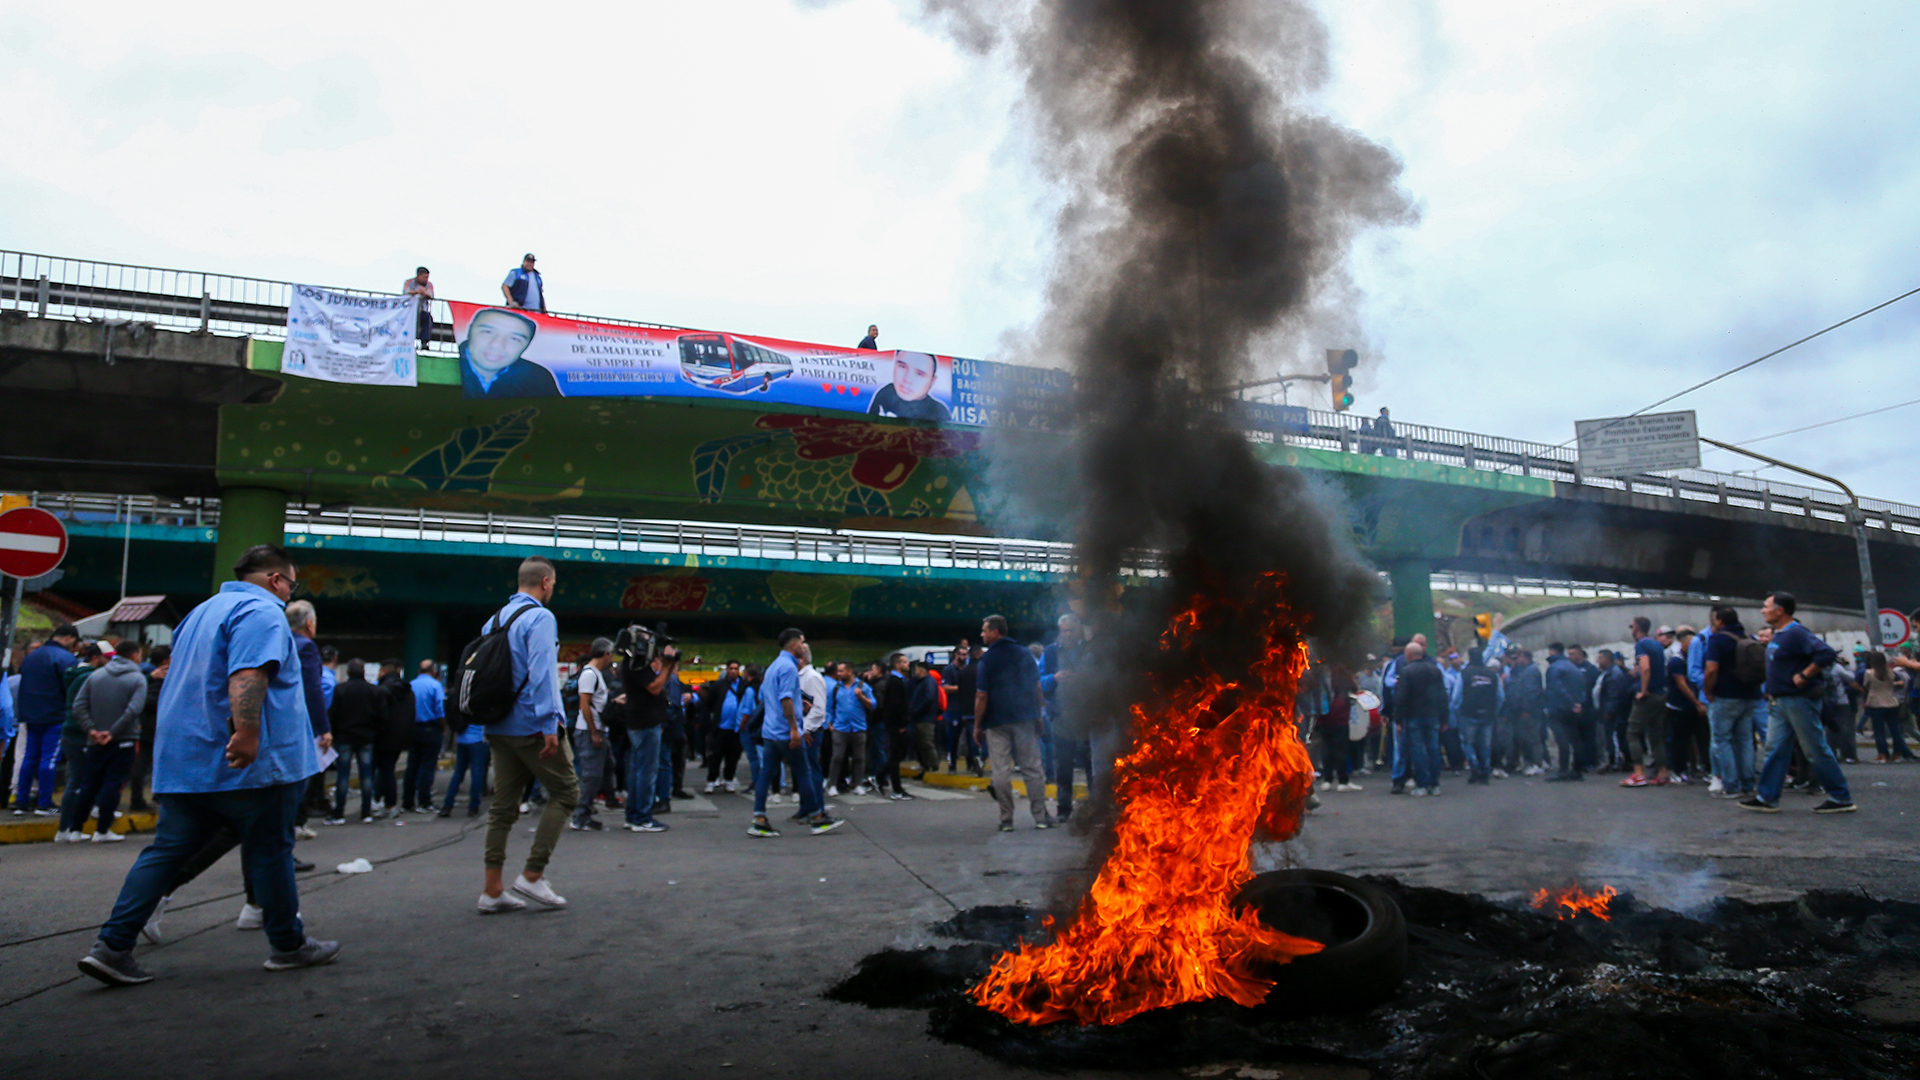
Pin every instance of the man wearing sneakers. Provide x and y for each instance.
(784, 739)
(589, 733)
(1796, 661)
(526, 744)
(233, 749)
(1006, 712)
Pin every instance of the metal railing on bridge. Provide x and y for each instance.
(55, 287)
(614, 535)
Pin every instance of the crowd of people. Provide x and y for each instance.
(240, 718)
(1749, 715)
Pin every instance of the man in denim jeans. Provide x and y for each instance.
(646, 720)
(232, 749)
(1795, 660)
(589, 733)
(1734, 707)
(1420, 703)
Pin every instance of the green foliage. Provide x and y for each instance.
(711, 461)
(811, 594)
(467, 461)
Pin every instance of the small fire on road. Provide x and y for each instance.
(1572, 901)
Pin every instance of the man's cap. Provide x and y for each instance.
(421, 270)
(528, 255)
(1663, 630)
(106, 649)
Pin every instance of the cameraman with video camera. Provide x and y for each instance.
(646, 718)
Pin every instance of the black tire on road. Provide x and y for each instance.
(1365, 935)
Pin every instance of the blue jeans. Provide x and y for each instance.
(98, 773)
(1423, 750)
(474, 758)
(1792, 719)
(1067, 753)
(1476, 737)
(643, 772)
(348, 756)
(1733, 721)
(39, 756)
(263, 819)
(773, 754)
(1402, 761)
(423, 761)
(1886, 728)
(663, 781)
(750, 748)
(590, 766)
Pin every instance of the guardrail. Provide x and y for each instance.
(56, 287)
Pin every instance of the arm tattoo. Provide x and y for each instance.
(247, 690)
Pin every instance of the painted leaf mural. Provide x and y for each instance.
(468, 460)
(711, 461)
(810, 594)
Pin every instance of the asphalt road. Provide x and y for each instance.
(700, 952)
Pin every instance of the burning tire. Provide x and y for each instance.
(1362, 928)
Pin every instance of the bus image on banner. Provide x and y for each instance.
(728, 364)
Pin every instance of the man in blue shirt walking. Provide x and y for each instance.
(42, 709)
(526, 744)
(1795, 661)
(233, 748)
(784, 740)
(429, 731)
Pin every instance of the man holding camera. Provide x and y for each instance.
(646, 717)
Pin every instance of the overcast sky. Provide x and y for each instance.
(1618, 199)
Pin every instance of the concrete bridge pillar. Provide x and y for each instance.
(423, 638)
(1412, 596)
(248, 516)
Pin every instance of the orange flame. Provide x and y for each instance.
(1573, 901)
(1213, 761)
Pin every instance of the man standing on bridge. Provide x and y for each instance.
(523, 288)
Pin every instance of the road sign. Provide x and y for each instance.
(1626, 445)
(32, 542)
(1894, 628)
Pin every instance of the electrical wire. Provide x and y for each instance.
(1824, 423)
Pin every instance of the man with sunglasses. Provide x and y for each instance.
(232, 749)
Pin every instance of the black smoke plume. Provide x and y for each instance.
(1207, 222)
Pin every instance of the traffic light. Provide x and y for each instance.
(1483, 627)
(1340, 363)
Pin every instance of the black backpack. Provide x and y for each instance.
(483, 689)
(1750, 661)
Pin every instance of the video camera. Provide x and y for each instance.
(640, 645)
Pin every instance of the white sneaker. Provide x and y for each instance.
(1349, 787)
(1715, 786)
(863, 789)
(1499, 774)
(1535, 770)
(250, 918)
(1418, 793)
(730, 788)
(833, 793)
(151, 931)
(496, 905)
(305, 833)
(102, 836)
(62, 836)
(1325, 785)
(526, 808)
(538, 890)
(712, 786)
(773, 799)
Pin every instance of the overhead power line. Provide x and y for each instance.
(1830, 423)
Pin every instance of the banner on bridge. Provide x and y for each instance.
(344, 338)
(509, 353)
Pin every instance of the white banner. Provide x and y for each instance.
(351, 339)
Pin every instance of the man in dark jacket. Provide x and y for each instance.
(1566, 702)
(1525, 700)
(892, 704)
(305, 623)
(1479, 705)
(1006, 716)
(1616, 702)
(108, 709)
(959, 679)
(358, 713)
(1419, 705)
(41, 706)
(395, 738)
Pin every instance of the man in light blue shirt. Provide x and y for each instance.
(785, 740)
(429, 731)
(526, 744)
(232, 749)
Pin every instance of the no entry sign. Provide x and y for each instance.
(32, 542)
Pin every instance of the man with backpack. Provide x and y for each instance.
(1481, 695)
(509, 680)
(1797, 663)
(1733, 674)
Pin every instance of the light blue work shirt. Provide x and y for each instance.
(1697, 661)
(845, 711)
(782, 683)
(328, 680)
(430, 698)
(242, 626)
(535, 643)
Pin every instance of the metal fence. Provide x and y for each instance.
(55, 287)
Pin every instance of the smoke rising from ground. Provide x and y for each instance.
(1207, 221)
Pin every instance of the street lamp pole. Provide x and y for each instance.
(1868, 595)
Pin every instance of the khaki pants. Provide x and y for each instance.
(516, 759)
(923, 750)
(1017, 747)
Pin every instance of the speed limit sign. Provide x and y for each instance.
(1894, 628)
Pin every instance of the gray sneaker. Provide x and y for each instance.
(113, 967)
(313, 954)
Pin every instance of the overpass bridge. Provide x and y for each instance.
(135, 381)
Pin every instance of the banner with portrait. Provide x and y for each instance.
(511, 353)
(341, 337)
